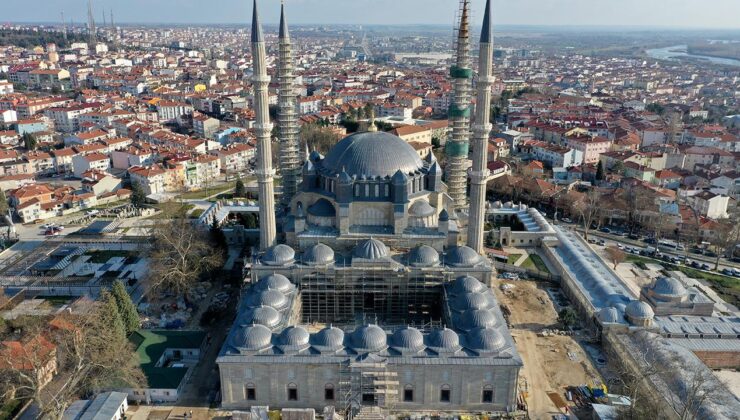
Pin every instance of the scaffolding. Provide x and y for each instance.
(288, 131)
(367, 384)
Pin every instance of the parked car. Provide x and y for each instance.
(695, 264)
(605, 230)
(650, 241)
(634, 236)
(566, 220)
(705, 266)
(601, 242)
(728, 272)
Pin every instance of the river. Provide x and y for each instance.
(679, 51)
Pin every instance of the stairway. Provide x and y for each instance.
(369, 413)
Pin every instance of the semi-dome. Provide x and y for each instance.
(279, 255)
(423, 256)
(473, 300)
(407, 338)
(319, 254)
(668, 287)
(639, 310)
(263, 315)
(466, 284)
(272, 298)
(462, 256)
(329, 338)
(253, 337)
(443, 339)
(372, 154)
(370, 249)
(421, 208)
(608, 315)
(294, 337)
(486, 339)
(322, 208)
(369, 338)
(474, 318)
(275, 282)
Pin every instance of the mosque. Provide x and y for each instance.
(375, 292)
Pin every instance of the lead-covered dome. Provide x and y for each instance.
(370, 249)
(253, 337)
(639, 310)
(443, 340)
(421, 208)
(294, 337)
(328, 339)
(486, 339)
(608, 315)
(279, 255)
(462, 256)
(319, 254)
(275, 282)
(369, 338)
(465, 284)
(272, 298)
(473, 300)
(423, 256)
(474, 318)
(264, 315)
(372, 154)
(407, 338)
(668, 287)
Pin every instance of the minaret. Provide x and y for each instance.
(481, 130)
(459, 113)
(91, 31)
(64, 27)
(290, 162)
(263, 129)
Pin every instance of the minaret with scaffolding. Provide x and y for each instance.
(92, 33)
(457, 145)
(290, 162)
(481, 130)
(263, 129)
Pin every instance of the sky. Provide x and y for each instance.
(715, 14)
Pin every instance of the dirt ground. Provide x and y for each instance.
(550, 363)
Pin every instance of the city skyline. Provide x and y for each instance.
(630, 13)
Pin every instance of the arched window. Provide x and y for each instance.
(377, 191)
(329, 392)
(445, 394)
(367, 190)
(386, 190)
(357, 190)
(487, 395)
(292, 392)
(250, 392)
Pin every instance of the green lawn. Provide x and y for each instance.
(205, 193)
(10, 408)
(534, 262)
(172, 210)
(512, 258)
(196, 213)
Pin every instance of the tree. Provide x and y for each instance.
(435, 142)
(179, 256)
(567, 317)
(618, 167)
(126, 308)
(29, 141)
(239, 190)
(111, 314)
(600, 171)
(92, 355)
(587, 208)
(3, 203)
(616, 255)
(138, 196)
(726, 237)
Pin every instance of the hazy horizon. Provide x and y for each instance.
(637, 14)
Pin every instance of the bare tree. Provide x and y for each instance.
(588, 208)
(616, 255)
(180, 255)
(726, 237)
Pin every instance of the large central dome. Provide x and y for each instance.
(372, 154)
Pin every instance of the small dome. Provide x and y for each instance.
(474, 300)
(407, 338)
(474, 318)
(608, 315)
(272, 298)
(444, 216)
(421, 208)
(466, 284)
(275, 282)
(264, 315)
(370, 249)
(423, 256)
(253, 337)
(369, 338)
(279, 255)
(486, 339)
(639, 310)
(329, 338)
(294, 336)
(319, 254)
(444, 339)
(668, 287)
(462, 256)
(322, 208)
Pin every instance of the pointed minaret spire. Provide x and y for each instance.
(91, 31)
(479, 174)
(290, 161)
(459, 113)
(64, 27)
(263, 130)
